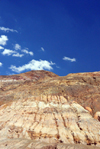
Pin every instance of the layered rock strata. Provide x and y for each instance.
(42, 110)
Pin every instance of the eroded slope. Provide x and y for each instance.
(41, 106)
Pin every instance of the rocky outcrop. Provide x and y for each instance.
(44, 111)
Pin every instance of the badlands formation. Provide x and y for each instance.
(41, 110)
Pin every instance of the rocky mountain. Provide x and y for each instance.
(41, 110)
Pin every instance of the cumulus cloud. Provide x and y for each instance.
(69, 59)
(8, 29)
(33, 65)
(0, 64)
(17, 47)
(18, 55)
(8, 52)
(42, 49)
(1, 47)
(27, 52)
(3, 40)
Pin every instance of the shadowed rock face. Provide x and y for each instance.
(42, 110)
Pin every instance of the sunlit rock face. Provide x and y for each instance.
(41, 110)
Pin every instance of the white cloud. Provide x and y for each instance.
(17, 47)
(31, 53)
(3, 40)
(69, 59)
(8, 52)
(18, 55)
(42, 49)
(1, 47)
(27, 52)
(0, 64)
(11, 52)
(33, 65)
(8, 29)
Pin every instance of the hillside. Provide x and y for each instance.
(41, 110)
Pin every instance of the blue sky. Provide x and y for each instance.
(62, 36)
